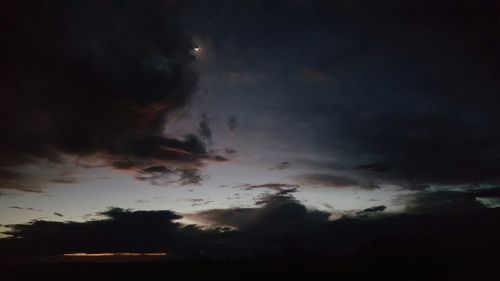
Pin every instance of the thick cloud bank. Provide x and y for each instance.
(280, 227)
(86, 77)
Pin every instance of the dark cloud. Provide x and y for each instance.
(406, 90)
(190, 176)
(334, 181)
(58, 214)
(106, 85)
(219, 158)
(8, 174)
(445, 202)
(184, 158)
(187, 149)
(280, 187)
(157, 175)
(371, 210)
(374, 167)
(231, 123)
(282, 227)
(490, 192)
(204, 128)
(22, 208)
(195, 202)
(64, 180)
(23, 187)
(121, 230)
(415, 186)
(419, 115)
(163, 176)
(17, 184)
(203, 203)
(280, 194)
(11, 179)
(375, 209)
(281, 166)
(277, 211)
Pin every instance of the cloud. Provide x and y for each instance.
(22, 208)
(371, 210)
(204, 203)
(101, 87)
(489, 192)
(231, 123)
(188, 149)
(374, 167)
(384, 94)
(431, 150)
(445, 201)
(281, 166)
(8, 174)
(219, 158)
(195, 202)
(157, 175)
(12, 179)
(280, 227)
(413, 119)
(190, 176)
(19, 186)
(277, 211)
(121, 230)
(415, 186)
(334, 181)
(204, 128)
(280, 187)
(163, 176)
(64, 180)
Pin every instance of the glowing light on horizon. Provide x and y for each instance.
(115, 254)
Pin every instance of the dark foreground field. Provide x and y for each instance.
(393, 268)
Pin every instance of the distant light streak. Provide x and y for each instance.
(115, 254)
(176, 150)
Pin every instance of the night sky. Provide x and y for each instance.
(241, 129)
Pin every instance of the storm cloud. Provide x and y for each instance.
(83, 78)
